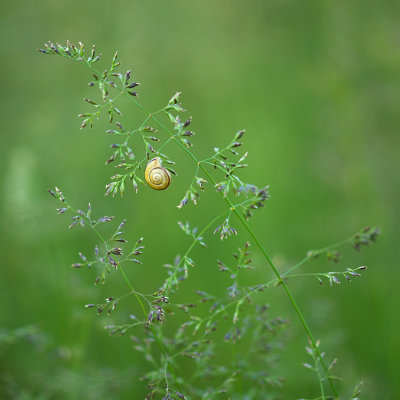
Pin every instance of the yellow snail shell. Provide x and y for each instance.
(156, 176)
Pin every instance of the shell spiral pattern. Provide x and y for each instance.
(156, 176)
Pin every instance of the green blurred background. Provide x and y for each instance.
(315, 83)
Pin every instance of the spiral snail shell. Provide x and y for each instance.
(156, 176)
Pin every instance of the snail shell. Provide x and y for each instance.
(156, 176)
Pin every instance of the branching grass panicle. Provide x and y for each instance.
(242, 314)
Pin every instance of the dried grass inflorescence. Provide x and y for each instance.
(209, 321)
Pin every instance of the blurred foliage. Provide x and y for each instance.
(315, 83)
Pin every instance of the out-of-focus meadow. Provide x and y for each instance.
(316, 84)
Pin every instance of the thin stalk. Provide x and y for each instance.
(281, 281)
(318, 252)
